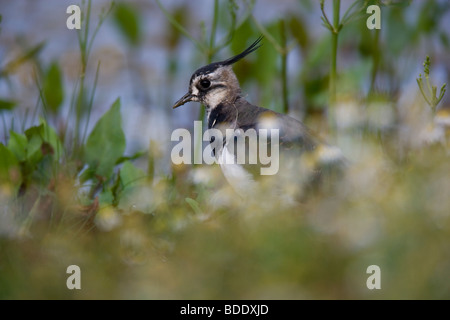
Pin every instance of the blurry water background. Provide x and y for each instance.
(151, 76)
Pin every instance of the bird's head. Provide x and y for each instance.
(215, 83)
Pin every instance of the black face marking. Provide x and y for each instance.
(216, 117)
(217, 86)
(210, 68)
(203, 91)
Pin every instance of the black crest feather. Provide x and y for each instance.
(241, 55)
(213, 66)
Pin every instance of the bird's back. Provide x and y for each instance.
(291, 131)
(297, 155)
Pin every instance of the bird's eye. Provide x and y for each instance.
(205, 83)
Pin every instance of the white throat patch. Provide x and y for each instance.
(215, 97)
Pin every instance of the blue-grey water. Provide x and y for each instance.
(139, 76)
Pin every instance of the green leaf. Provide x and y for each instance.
(128, 20)
(34, 137)
(136, 194)
(299, 31)
(267, 59)
(53, 88)
(131, 175)
(173, 36)
(9, 169)
(17, 144)
(42, 140)
(444, 39)
(51, 137)
(7, 104)
(194, 205)
(106, 143)
(245, 68)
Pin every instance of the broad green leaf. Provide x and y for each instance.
(37, 136)
(51, 137)
(137, 198)
(136, 194)
(9, 169)
(34, 136)
(173, 36)
(246, 67)
(7, 104)
(128, 20)
(17, 144)
(106, 143)
(53, 88)
(131, 175)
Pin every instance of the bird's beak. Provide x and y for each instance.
(186, 98)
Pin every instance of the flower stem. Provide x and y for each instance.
(284, 67)
(334, 44)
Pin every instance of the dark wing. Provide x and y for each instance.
(300, 151)
(292, 133)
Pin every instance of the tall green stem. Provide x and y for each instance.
(209, 56)
(284, 83)
(83, 40)
(334, 45)
(284, 67)
(210, 50)
(212, 38)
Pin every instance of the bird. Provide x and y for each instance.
(217, 88)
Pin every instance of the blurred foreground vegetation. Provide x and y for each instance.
(73, 197)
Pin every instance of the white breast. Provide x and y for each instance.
(236, 175)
